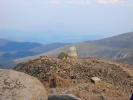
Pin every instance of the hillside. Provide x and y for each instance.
(122, 41)
(16, 46)
(128, 60)
(117, 78)
(10, 50)
(3, 42)
(113, 48)
(48, 47)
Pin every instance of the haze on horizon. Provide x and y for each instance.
(64, 20)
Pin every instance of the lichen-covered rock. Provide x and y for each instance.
(20, 86)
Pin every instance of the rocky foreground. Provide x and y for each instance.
(20, 86)
(118, 75)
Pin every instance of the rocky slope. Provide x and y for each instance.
(128, 60)
(20, 86)
(117, 74)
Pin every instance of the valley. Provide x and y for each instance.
(11, 50)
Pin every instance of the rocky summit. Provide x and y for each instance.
(20, 86)
(73, 76)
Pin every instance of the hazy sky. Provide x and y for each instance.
(82, 17)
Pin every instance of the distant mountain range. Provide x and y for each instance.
(16, 46)
(47, 36)
(118, 48)
(113, 48)
(3, 42)
(10, 50)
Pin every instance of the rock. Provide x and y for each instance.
(82, 69)
(19, 86)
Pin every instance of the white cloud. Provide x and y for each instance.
(126, 2)
(76, 2)
(108, 1)
(54, 2)
(5, 2)
(118, 2)
(26, 2)
(79, 2)
(23, 2)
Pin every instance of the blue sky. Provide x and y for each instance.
(71, 18)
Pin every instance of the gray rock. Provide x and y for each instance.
(19, 86)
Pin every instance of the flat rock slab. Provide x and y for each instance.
(20, 86)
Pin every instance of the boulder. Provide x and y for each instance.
(20, 86)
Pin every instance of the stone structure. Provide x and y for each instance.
(96, 80)
(56, 81)
(20, 86)
(72, 53)
(63, 56)
(82, 70)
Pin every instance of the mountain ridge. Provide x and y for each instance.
(3, 41)
(113, 48)
(11, 50)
